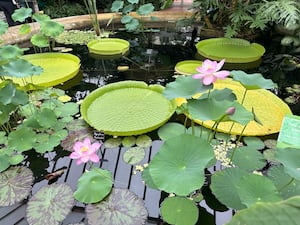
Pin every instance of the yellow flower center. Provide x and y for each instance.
(84, 149)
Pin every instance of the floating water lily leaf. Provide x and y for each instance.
(264, 103)
(170, 130)
(178, 166)
(121, 207)
(93, 185)
(127, 108)
(55, 201)
(187, 67)
(254, 142)
(15, 185)
(108, 46)
(25, 137)
(143, 141)
(248, 158)
(254, 188)
(289, 157)
(57, 68)
(233, 50)
(134, 155)
(113, 142)
(269, 213)
(128, 141)
(179, 211)
(224, 187)
(287, 186)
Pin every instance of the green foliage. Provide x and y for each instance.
(126, 7)
(93, 186)
(238, 17)
(37, 121)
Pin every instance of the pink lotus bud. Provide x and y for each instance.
(230, 111)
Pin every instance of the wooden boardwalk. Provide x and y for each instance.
(123, 177)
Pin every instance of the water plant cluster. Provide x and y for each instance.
(254, 178)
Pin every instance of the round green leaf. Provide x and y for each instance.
(134, 155)
(55, 201)
(21, 14)
(179, 165)
(170, 130)
(15, 185)
(16, 159)
(289, 157)
(116, 6)
(51, 28)
(93, 186)
(21, 68)
(127, 108)
(145, 9)
(287, 186)
(252, 81)
(284, 212)
(143, 141)
(113, 142)
(248, 158)
(254, 142)
(148, 179)
(21, 139)
(179, 211)
(224, 187)
(39, 40)
(128, 141)
(184, 87)
(3, 27)
(10, 52)
(25, 29)
(254, 188)
(121, 207)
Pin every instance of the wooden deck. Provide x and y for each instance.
(123, 178)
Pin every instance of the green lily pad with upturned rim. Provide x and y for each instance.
(127, 108)
(233, 50)
(57, 68)
(108, 46)
(187, 67)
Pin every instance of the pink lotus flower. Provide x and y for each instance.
(85, 151)
(209, 71)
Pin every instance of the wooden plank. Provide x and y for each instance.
(123, 172)
(15, 215)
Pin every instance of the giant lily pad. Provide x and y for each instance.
(233, 50)
(127, 108)
(122, 207)
(15, 185)
(108, 46)
(187, 67)
(50, 205)
(57, 68)
(263, 102)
